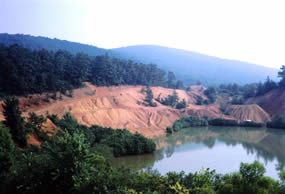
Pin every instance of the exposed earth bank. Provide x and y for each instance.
(120, 107)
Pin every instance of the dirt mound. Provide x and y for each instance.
(273, 102)
(248, 112)
(210, 111)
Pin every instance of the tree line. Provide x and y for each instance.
(24, 71)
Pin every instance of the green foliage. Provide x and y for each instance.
(67, 163)
(15, 121)
(171, 79)
(149, 97)
(267, 86)
(246, 91)
(39, 43)
(179, 85)
(64, 164)
(251, 172)
(277, 122)
(281, 74)
(228, 122)
(199, 100)
(120, 142)
(24, 71)
(237, 100)
(211, 94)
(223, 122)
(186, 122)
(35, 123)
(181, 104)
(7, 156)
(250, 124)
(172, 100)
(124, 143)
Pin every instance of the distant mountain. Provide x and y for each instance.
(191, 66)
(39, 42)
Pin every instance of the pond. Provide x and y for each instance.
(219, 148)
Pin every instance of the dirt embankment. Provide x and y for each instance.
(248, 112)
(119, 107)
(273, 102)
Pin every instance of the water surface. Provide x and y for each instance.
(219, 148)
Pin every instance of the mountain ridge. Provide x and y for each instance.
(189, 66)
(182, 62)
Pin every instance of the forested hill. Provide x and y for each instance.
(24, 71)
(39, 42)
(191, 66)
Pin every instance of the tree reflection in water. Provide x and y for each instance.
(264, 143)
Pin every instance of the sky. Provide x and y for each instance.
(246, 30)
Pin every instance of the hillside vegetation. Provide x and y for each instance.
(188, 66)
(39, 43)
(24, 71)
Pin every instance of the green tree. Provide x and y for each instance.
(7, 156)
(35, 124)
(181, 104)
(211, 94)
(281, 74)
(64, 165)
(15, 121)
(171, 78)
(199, 100)
(179, 85)
(149, 97)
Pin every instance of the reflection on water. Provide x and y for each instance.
(220, 148)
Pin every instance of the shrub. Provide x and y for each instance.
(250, 124)
(199, 100)
(211, 94)
(237, 100)
(223, 122)
(181, 104)
(277, 122)
(186, 122)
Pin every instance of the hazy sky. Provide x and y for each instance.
(247, 30)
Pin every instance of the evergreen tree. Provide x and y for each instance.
(281, 74)
(269, 85)
(179, 85)
(211, 94)
(7, 156)
(149, 97)
(15, 121)
(181, 104)
(199, 100)
(171, 78)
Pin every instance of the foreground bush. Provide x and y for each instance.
(121, 141)
(66, 163)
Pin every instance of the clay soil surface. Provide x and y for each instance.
(120, 107)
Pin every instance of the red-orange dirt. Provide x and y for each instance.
(120, 107)
(248, 112)
(273, 102)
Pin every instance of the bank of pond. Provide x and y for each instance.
(199, 150)
(194, 121)
(82, 159)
